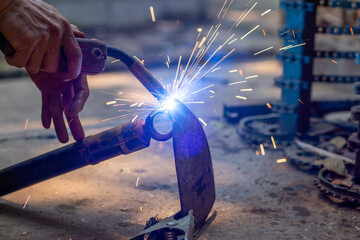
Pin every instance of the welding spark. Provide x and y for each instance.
(232, 41)
(152, 13)
(241, 97)
(263, 50)
(282, 160)
(262, 150)
(110, 103)
(264, 32)
(257, 153)
(254, 76)
(27, 200)
(267, 11)
(241, 18)
(268, 105)
(237, 83)
(215, 69)
(273, 142)
(246, 90)
(232, 71)
(203, 122)
(133, 105)
(284, 32)
(137, 182)
(139, 60)
(334, 61)
(116, 60)
(121, 99)
(249, 32)
(300, 101)
(293, 34)
(222, 8)
(141, 208)
(352, 31)
(204, 88)
(135, 118)
(291, 46)
(198, 65)
(26, 123)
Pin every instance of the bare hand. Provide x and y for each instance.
(60, 97)
(37, 32)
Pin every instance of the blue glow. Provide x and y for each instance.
(169, 104)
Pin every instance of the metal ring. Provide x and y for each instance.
(153, 132)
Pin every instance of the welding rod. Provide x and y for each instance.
(120, 140)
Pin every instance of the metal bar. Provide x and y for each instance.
(120, 140)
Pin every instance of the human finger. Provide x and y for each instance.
(76, 128)
(81, 91)
(45, 111)
(73, 56)
(57, 117)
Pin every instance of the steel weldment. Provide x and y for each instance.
(192, 155)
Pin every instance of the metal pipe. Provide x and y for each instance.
(120, 140)
(146, 78)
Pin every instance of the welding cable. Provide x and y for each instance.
(122, 56)
(140, 72)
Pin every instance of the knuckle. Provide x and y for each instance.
(56, 31)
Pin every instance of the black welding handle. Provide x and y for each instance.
(120, 140)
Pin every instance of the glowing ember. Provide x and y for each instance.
(111, 103)
(262, 150)
(241, 97)
(137, 182)
(237, 83)
(254, 76)
(267, 11)
(249, 32)
(300, 101)
(291, 46)
(152, 13)
(203, 122)
(135, 118)
(26, 202)
(273, 142)
(263, 50)
(26, 123)
(282, 160)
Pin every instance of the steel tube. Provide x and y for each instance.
(120, 140)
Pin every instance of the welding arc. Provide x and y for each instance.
(140, 72)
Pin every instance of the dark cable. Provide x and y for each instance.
(118, 54)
